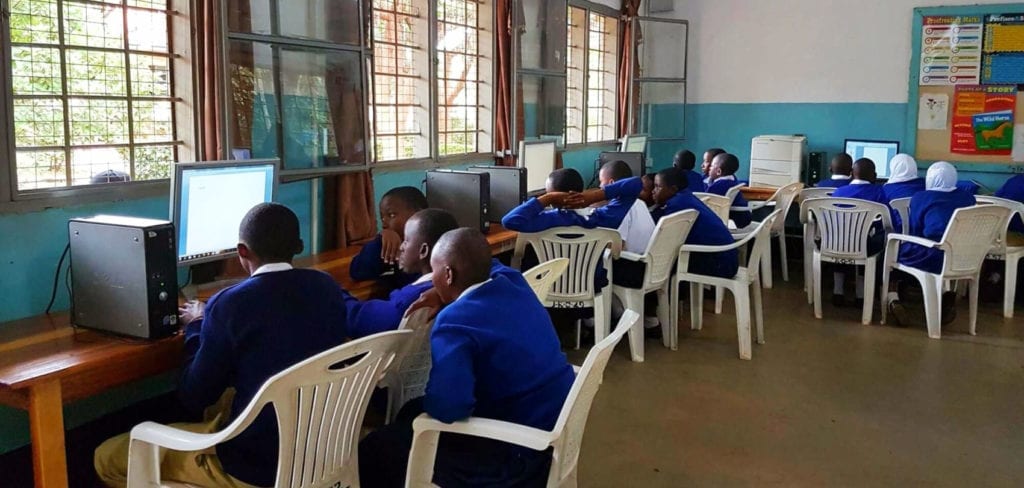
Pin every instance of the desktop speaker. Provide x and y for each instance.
(124, 276)
(816, 168)
(464, 194)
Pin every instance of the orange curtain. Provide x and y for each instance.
(628, 65)
(209, 65)
(503, 140)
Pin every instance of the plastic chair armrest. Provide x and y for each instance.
(522, 435)
(177, 439)
(914, 239)
(759, 205)
(728, 247)
(632, 256)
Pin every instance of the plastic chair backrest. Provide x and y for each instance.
(411, 370)
(573, 418)
(732, 192)
(542, 276)
(783, 199)
(1015, 208)
(809, 193)
(970, 236)
(902, 208)
(717, 203)
(319, 405)
(584, 248)
(845, 224)
(762, 242)
(662, 249)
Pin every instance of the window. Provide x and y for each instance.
(592, 67)
(405, 110)
(540, 70)
(94, 92)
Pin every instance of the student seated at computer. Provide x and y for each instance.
(378, 259)
(1013, 189)
(863, 186)
(422, 231)
(723, 178)
(686, 161)
(565, 193)
(243, 336)
(841, 168)
(705, 166)
(495, 355)
(671, 196)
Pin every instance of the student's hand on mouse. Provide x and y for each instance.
(429, 299)
(390, 242)
(191, 311)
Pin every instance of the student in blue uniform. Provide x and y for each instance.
(903, 183)
(422, 231)
(648, 189)
(723, 178)
(1013, 189)
(243, 336)
(564, 193)
(930, 213)
(378, 259)
(494, 355)
(671, 196)
(705, 166)
(841, 168)
(863, 186)
(686, 161)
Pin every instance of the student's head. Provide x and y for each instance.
(461, 259)
(684, 160)
(422, 231)
(941, 176)
(398, 204)
(647, 193)
(902, 167)
(613, 171)
(269, 233)
(667, 183)
(564, 180)
(724, 164)
(864, 169)
(842, 164)
(709, 155)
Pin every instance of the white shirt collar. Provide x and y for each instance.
(272, 268)
(840, 177)
(727, 178)
(859, 182)
(471, 288)
(423, 279)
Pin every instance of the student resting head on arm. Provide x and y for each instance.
(378, 258)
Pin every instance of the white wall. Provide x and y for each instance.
(764, 51)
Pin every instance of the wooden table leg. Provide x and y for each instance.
(46, 422)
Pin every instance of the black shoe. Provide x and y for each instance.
(838, 300)
(948, 307)
(899, 314)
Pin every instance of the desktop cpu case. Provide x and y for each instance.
(124, 276)
(464, 194)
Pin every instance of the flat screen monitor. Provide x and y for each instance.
(208, 201)
(635, 160)
(538, 157)
(635, 143)
(879, 152)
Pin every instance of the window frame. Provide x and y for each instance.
(606, 11)
(518, 71)
(486, 21)
(182, 75)
(636, 80)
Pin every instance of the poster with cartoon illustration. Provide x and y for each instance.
(933, 112)
(983, 120)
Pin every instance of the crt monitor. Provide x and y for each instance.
(208, 201)
(879, 152)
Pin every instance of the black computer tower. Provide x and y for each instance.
(816, 168)
(124, 276)
(465, 194)
(507, 189)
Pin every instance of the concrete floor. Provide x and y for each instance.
(825, 402)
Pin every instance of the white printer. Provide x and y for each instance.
(776, 161)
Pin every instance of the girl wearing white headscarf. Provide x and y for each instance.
(930, 212)
(903, 183)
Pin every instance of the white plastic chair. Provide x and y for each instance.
(816, 192)
(782, 200)
(407, 378)
(1003, 252)
(845, 226)
(720, 205)
(746, 279)
(542, 276)
(319, 407)
(661, 253)
(902, 208)
(565, 439)
(584, 248)
(969, 237)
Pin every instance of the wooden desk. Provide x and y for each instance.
(44, 363)
(757, 193)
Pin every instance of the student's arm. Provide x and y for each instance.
(531, 216)
(373, 316)
(367, 265)
(449, 396)
(621, 194)
(208, 349)
(1013, 189)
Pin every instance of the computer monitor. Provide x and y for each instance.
(208, 201)
(538, 157)
(635, 143)
(880, 152)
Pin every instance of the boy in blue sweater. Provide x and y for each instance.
(841, 167)
(243, 336)
(378, 259)
(863, 186)
(723, 178)
(495, 355)
(686, 161)
(705, 167)
(422, 231)
(565, 193)
(671, 196)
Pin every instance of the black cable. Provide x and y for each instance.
(188, 280)
(56, 277)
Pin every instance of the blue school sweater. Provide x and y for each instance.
(708, 230)
(833, 183)
(694, 181)
(367, 265)
(531, 216)
(863, 191)
(250, 332)
(903, 189)
(1013, 189)
(495, 354)
(930, 213)
(740, 211)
